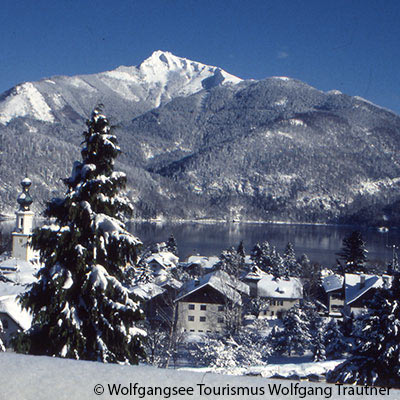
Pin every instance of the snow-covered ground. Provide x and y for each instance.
(46, 378)
(300, 369)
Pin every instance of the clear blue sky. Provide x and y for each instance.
(349, 45)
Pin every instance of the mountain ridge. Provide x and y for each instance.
(155, 81)
(198, 142)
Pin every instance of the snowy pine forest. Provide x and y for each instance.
(100, 295)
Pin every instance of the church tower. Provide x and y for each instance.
(24, 223)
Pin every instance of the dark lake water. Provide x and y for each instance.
(319, 242)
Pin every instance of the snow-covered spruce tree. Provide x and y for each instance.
(172, 246)
(334, 340)
(354, 252)
(266, 258)
(244, 349)
(311, 279)
(375, 359)
(80, 308)
(231, 262)
(2, 348)
(241, 250)
(295, 336)
(316, 330)
(317, 342)
(291, 266)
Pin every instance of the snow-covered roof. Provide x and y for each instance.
(354, 290)
(220, 281)
(255, 274)
(163, 280)
(147, 291)
(11, 306)
(332, 282)
(164, 258)
(203, 262)
(290, 288)
(11, 289)
(19, 271)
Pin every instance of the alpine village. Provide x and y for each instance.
(76, 283)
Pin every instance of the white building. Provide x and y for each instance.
(18, 271)
(206, 304)
(21, 249)
(281, 294)
(162, 262)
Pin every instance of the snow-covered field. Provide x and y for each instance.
(45, 378)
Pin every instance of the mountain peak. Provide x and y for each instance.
(163, 57)
(164, 62)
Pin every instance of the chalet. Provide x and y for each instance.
(353, 291)
(210, 303)
(161, 262)
(158, 298)
(281, 294)
(199, 265)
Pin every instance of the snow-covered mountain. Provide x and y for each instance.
(198, 142)
(126, 90)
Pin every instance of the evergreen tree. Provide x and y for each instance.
(311, 279)
(260, 256)
(5, 242)
(316, 330)
(2, 347)
(231, 262)
(334, 341)
(394, 266)
(268, 260)
(278, 267)
(140, 273)
(240, 249)
(291, 267)
(245, 348)
(354, 252)
(172, 246)
(375, 359)
(295, 336)
(80, 307)
(318, 346)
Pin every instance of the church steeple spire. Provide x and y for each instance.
(24, 199)
(24, 223)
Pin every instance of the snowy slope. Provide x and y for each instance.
(155, 81)
(45, 378)
(276, 149)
